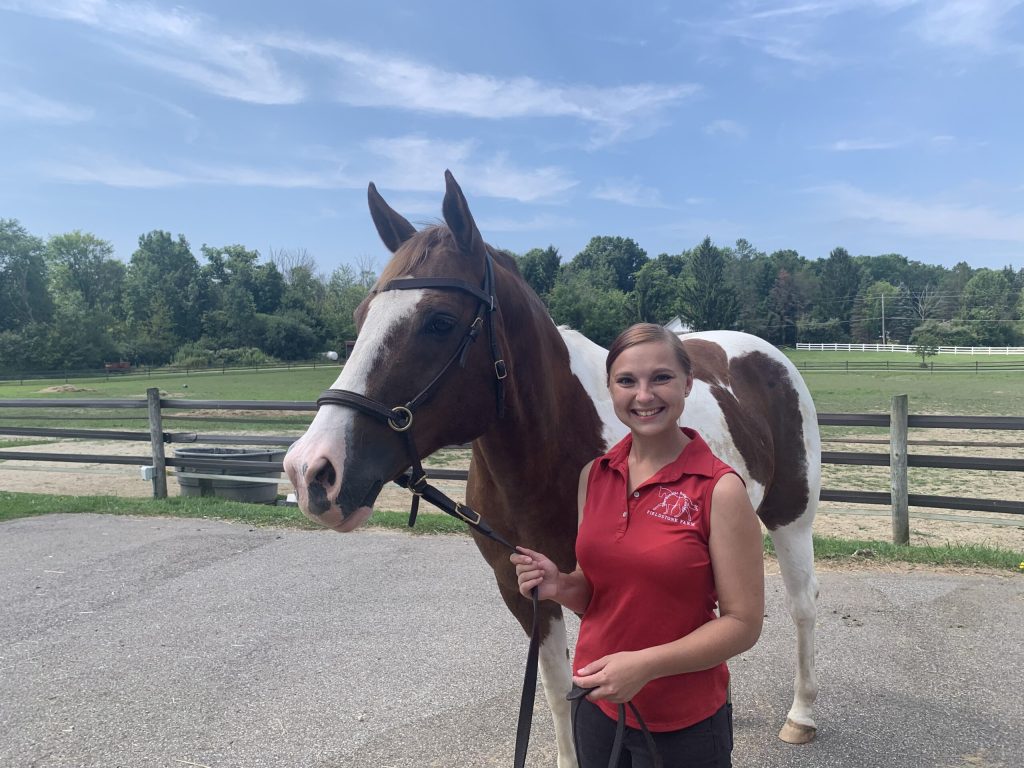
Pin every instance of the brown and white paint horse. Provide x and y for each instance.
(748, 402)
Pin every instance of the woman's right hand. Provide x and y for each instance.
(535, 570)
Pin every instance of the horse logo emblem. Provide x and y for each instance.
(674, 506)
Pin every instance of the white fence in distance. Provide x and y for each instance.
(910, 348)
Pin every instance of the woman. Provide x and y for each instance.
(666, 532)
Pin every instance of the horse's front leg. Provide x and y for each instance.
(556, 675)
(555, 672)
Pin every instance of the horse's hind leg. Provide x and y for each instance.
(795, 551)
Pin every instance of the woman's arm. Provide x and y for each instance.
(736, 558)
(536, 570)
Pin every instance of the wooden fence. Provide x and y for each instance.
(898, 422)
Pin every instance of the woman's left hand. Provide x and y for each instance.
(616, 677)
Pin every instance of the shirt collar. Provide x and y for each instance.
(695, 459)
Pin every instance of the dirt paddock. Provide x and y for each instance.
(839, 520)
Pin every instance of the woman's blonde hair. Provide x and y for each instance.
(645, 333)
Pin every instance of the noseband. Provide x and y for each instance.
(400, 417)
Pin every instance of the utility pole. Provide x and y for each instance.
(883, 319)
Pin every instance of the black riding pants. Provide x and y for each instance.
(707, 744)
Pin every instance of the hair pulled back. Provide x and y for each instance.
(645, 333)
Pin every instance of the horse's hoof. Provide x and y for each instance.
(797, 733)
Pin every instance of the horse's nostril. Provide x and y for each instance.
(326, 476)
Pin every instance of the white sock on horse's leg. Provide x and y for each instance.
(556, 676)
(795, 550)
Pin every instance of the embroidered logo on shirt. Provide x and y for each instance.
(674, 506)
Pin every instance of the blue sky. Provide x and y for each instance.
(877, 125)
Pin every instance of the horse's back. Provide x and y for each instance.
(753, 408)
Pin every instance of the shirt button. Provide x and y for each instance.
(625, 512)
(636, 494)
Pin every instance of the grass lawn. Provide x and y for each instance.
(18, 505)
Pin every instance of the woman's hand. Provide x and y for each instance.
(535, 570)
(616, 677)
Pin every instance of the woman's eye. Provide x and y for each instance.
(440, 324)
(624, 382)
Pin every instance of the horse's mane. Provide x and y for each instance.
(417, 249)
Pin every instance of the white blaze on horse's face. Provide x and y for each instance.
(318, 461)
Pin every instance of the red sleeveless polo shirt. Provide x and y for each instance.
(646, 558)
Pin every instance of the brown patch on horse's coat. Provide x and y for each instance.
(762, 412)
(709, 361)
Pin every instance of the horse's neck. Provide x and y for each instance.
(552, 425)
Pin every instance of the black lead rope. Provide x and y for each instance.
(471, 517)
(577, 694)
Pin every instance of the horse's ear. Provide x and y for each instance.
(392, 227)
(458, 218)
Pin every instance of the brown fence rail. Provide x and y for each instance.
(898, 421)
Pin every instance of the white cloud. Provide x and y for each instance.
(242, 66)
(385, 80)
(924, 219)
(25, 105)
(798, 32)
(182, 44)
(628, 192)
(111, 172)
(405, 164)
(862, 145)
(413, 163)
(976, 24)
(725, 128)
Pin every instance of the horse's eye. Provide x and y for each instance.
(440, 324)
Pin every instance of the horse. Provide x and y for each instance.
(536, 410)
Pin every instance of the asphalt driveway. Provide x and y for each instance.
(140, 642)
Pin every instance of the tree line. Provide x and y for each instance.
(67, 303)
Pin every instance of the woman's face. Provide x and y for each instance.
(648, 388)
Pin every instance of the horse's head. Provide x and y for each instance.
(426, 348)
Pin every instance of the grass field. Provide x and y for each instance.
(958, 393)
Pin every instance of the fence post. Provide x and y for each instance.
(156, 439)
(898, 470)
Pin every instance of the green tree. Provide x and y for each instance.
(707, 301)
(621, 255)
(163, 294)
(80, 262)
(927, 339)
(839, 284)
(589, 301)
(784, 306)
(657, 289)
(346, 290)
(870, 311)
(990, 303)
(24, 298)
(539, 267)
(752, 274)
